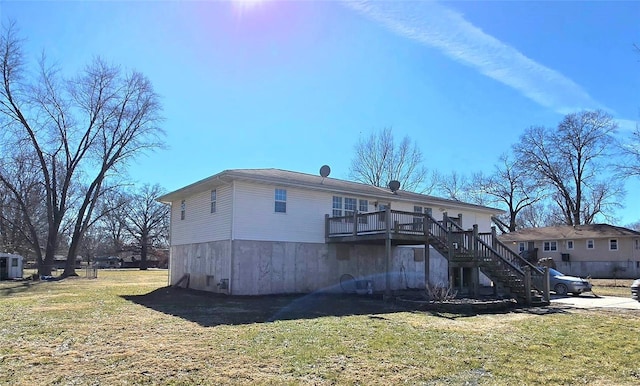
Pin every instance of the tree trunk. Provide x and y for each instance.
(143, 252)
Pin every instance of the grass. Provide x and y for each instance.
(126, 328)
(612, 287)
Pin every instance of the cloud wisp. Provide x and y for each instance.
(446, 30)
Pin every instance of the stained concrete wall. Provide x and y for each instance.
(600, 269)
(265, 267)
(206, 263)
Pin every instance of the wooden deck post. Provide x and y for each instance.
(426, 228)
(546, 284)
(387, 290)
(476, 261)
(527, 284)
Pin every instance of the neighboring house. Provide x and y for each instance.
(596, 250)
(270, 231)
(11, 266)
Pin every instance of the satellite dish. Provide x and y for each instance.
(394, 185)
(325, 170)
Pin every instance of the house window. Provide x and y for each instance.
(14, 261)
(522, 246)
(637, 244)
(213, 200)
(350, 206)
(183, 209)
(281, 201)
(363, 207)
(337, 206)
(590, 244)
(550, 246)
(569, 244)
(613, 244)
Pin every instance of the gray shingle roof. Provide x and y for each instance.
(314, 182)
(591, 231)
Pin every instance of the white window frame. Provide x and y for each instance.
(214, 199)
(337, 206)
(550, 246)
(363, 207)
(612, 243)
(570, 245)
(280, 200)
(593, 244)
(522, 246)
(350, 207)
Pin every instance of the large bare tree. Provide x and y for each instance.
(78, 129)
(510, 187)
(147, 220)
(571, 160)
(378, 159)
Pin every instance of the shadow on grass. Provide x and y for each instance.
(13, 288)
(210, 309)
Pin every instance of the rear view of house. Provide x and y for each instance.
(270, 231)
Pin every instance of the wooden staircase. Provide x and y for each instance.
(509, 271)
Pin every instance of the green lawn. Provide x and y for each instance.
(125, 328)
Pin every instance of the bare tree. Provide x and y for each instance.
(510, 187)
(147, 220)
(79, 129)
(454, 186)
(379, 160)
(568, 160)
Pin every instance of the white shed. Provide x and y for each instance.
(11, 266)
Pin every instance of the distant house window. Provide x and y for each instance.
(337, 206)
(14, 261)
(214, 197)
(637, 244)
(183, 208)
(550, 246)
(590, 244)
(281, 201)
(613, 244)
(569, 244)
(522, 246)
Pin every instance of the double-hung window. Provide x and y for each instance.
(363, 207)
(591, 244)
(337, 206)
(281, 201)
(569, 244)
(550, 246)
(350, 207)
(613, 244)
(214, 197)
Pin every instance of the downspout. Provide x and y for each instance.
(170, 245)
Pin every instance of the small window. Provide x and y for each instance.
(569, 244)
(214, 196)
(550, 246)
(337, 206)
(590, 244)
(522, 246)
(183, 208)
(637, 244)
(281, 201)
(613, 244)
(14, 261)
(417, 220)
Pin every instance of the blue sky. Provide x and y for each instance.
(293, 85)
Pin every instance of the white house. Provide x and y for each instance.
(11, 266)
(270, 231)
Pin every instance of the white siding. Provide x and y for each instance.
(200, 225)
(255, 217)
